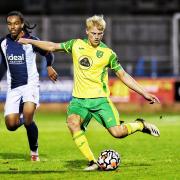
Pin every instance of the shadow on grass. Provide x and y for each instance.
(69, 166)
(32, 172)
(12, 156)
(136, 164)
(17, 156)
(75, 164)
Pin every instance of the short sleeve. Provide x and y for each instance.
(67, 46)
(114, 63)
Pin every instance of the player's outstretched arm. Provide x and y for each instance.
(45, 45)
(134, 85)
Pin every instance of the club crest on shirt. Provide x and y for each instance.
(85, 62)
(99, 53)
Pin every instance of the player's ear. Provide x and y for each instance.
(87, 32)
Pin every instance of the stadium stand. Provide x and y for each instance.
(131, 35)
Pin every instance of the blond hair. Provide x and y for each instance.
(97, 21)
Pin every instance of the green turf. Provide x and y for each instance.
(143, 156)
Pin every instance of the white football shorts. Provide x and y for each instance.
(15, 97)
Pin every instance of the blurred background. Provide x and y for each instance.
(143, 33)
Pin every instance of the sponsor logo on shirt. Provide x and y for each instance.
(85, 62)
(13, 59)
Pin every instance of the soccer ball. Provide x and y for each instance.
(108, 160)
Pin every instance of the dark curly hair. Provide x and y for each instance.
(27, 26)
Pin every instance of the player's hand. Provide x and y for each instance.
(53, 75)
(23, 41)
(151, 98)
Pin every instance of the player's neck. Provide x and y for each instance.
(94, 46)
(21, 34)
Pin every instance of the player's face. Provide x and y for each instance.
(94, 36)
(14, 25)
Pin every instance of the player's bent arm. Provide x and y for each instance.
(130, 82)
(45, 45)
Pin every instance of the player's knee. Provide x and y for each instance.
(73, 122)
(118, 132)
(11, 124)
(115, 134)
(11, 127)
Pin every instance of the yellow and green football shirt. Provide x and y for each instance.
(91, 68)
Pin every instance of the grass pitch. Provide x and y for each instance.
(142, 156)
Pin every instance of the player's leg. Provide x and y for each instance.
(74, 125)
(78, 118)
(31, 102)
(13, 108)
(114, 127)
(130, 128)
(123, 130)
(108, 116)
(12, 121)
(31, 128)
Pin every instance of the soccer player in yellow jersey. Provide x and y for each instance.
(91, 60)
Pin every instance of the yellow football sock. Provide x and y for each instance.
(82, 143)
(133, 127)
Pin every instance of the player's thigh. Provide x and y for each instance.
(13, 102)
(76, 108)
(29, 109)
(30, 93)
(107, 115)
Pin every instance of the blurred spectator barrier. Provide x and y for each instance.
(164, 88)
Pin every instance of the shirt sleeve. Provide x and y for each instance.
(67, 46)
(114, 63)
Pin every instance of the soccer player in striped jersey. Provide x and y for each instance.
(22, 77)
(91, 61)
